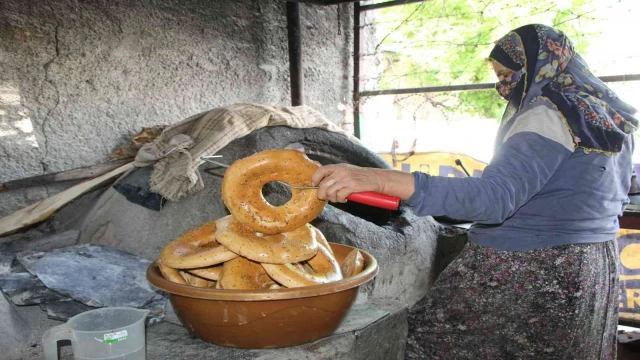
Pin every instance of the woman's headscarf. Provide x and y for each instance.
(547, 68)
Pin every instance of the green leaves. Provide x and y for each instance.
(485, 103)
(447, 42)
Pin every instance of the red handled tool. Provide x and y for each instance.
(368, 197)
(376, 199)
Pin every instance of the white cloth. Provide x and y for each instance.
(178, 150)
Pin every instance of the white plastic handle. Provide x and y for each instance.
(50, 340)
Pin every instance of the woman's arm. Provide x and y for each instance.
(336, 182)
(535, 147)
(524, 164)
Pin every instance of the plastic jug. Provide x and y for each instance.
(106, 333)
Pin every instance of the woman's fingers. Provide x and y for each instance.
(336, 182)
(333, 189)
(333, 179)
(324, 178)
(323, 188)
(342, 194)
(321, 173)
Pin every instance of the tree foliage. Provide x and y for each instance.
(446, 42)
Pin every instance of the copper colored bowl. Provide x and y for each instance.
(266, 318)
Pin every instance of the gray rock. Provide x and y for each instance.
(16, 267)
(96, 275)
(14, 330)
(167, 341)
(403, 244)
(451, 241)
(64, 310)
(6, 262)
(170, 314)
(404, 249)
(359, 317)
(26, 289)
(156, 311)
(383, 340)
(29, 259)
(34, 233)
(29, 241)
(46, 243)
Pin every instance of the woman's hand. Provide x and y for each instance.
(336, 182)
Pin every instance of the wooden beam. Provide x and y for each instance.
(480, 86)
(357, 48)
(43, 209)
(296, 73)
(62, 176)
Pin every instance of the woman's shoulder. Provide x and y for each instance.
(541, 117)
(538, 107)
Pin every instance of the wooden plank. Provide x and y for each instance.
(629, 221)
(69, 175)
(629, 317)
(43, 209)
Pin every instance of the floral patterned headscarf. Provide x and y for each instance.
(547, 68)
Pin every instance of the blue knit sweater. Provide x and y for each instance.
(537, 191)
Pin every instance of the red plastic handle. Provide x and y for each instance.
(376, 199)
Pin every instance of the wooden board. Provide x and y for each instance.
(43, 209)
(62, 176)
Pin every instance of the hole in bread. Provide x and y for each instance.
(275, 193)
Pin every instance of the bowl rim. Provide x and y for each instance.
(369, 272)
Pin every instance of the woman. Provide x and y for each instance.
(538, 278)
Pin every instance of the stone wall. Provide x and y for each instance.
(77, 79)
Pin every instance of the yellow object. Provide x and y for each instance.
(629, 266)
(630, 256)
(437, 164)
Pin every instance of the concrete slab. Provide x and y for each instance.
(45, 243)
(26, 289)
(14, 330)
(367, 333)
(95, 275)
